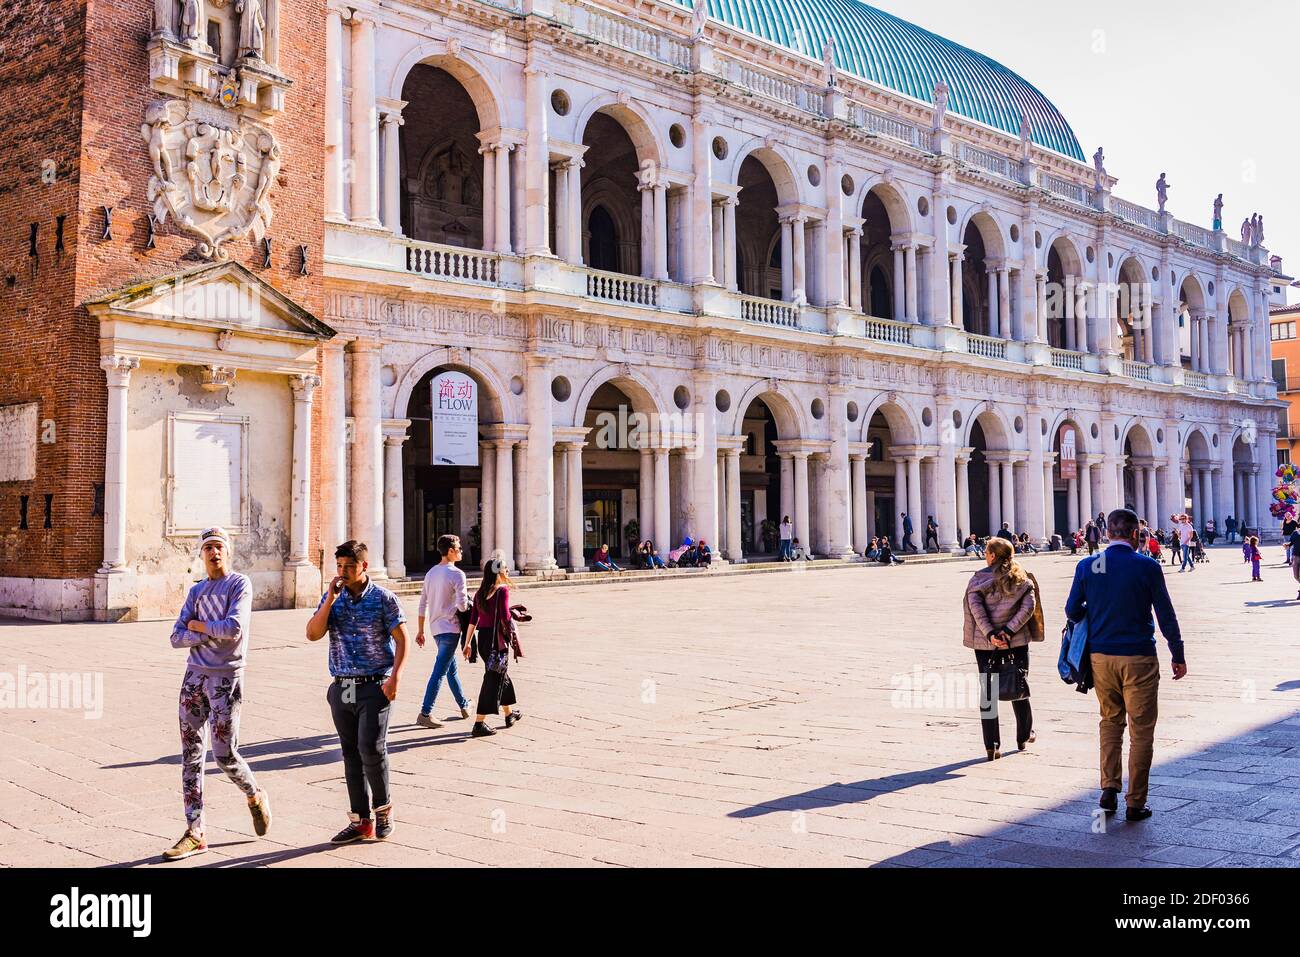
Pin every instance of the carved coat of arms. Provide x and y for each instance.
(212, 171)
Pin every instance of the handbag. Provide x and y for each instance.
(1013, 681)
(498, 659)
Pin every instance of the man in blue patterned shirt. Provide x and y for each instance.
(367, 652)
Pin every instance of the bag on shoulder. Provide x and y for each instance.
(1036, 624)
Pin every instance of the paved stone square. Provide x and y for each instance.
(751, 720)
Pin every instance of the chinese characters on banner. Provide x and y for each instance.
(454, 404)
(1069, 468)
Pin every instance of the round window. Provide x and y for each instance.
(814, 175)
(846, 184)
(722, 400)
(1015, 233)
(560, 102)
(682, 397)
(923, 206)
(853, 412)
(818, 408)
(560, 389)
(719, 147)
(677, 135)
(952, 215)
(927, 417)
(517, 385)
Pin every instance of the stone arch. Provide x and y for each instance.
(1082, 435)
(1191, 292)
(466, 68)
(1063, 243)
(790, 423)
(629, 380)
(1142, 437)
(778, 166)
(991, 231)
(894, 201)
(635, 122)
(998, 432)
(904, 424)
(1196, 442)
(495, 391)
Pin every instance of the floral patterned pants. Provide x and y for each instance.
(210, 700)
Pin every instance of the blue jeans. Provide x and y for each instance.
(655, 562)
(787, 548)
(445, 664)
(1187, 556)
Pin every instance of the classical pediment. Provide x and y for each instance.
(222, 295)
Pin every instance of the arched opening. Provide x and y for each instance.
(1240, 360)
(885, 288)
(618, 428)
(1070, 487)
(1192, 338)
(441, 498)
(1242, 505)
(890, 477)
(761, 470)
(1140, 486)
(1197, 478)
(758, 233)
(986, 289)
(990, 476)
(1131, 331)
(1066, 323)
(442, 187)
(611, 203)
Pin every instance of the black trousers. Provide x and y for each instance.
(929, 537)
(360, 715)
(989, 699)
(496, 690)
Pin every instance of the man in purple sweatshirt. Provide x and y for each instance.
(213, 625)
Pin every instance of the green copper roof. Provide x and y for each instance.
(893, 53)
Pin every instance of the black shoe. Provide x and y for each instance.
(481, 730)
(1137, 813)
(383, 822)
(1109, 800)
(357, 830)
(512, 717)
(993, 753)
(1027, 742)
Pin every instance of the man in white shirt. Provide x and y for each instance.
(1185, 531)
(444, 593)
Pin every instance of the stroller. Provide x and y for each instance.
(1198, 549)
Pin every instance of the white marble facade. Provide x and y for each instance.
(702, 222)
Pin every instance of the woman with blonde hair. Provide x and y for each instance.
(1002, 614)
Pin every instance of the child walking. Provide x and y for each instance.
(1245, 549)
(1255, 557)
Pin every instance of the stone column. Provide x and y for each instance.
(838, 485)
(718, 245)
(787, 484)
(1081, 316)
(729, 235)
(855, 270)
(504, 516)
(831, 233)
(1004, 304)
(537, 162)
(962, 463)
(871, 514)
(1207, 499)
(1196, 496)
(1049, 496)
(1152, 498)
(858, 467)
(1074, 498)
(661, 231)
(734, 551)
(995, 497)
(563, 210)
(802, 515)
(540, 505)
(1009, 495)
(392, 217)
(900, 284)
(574, 217)
(663, 513)
(366, 475)
(365, 130)
(958, 307)
(945, 495)
(333, 465)
(705, 219)
(501, 198)
(574, 508)
(489, 155)
(787, 258)
(800, 290)
(1037, 522)
(1040, 303)
(914, 508)
(647, 230)
(334, 179)
(300, 482)
(394, 499)
(909, 266)
(645, 494)
(702, 461)
(487, 497)
(1252, 495)
(117, 370)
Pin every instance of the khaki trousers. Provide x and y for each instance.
(1127, 686)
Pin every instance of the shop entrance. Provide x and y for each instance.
(601, 521)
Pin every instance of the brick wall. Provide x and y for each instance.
(40, 114)
(78, 95)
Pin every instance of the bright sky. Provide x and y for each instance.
(1204, 91)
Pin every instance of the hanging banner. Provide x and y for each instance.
(1069, 467)
(454, 405)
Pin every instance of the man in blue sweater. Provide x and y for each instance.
(1116, 593)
